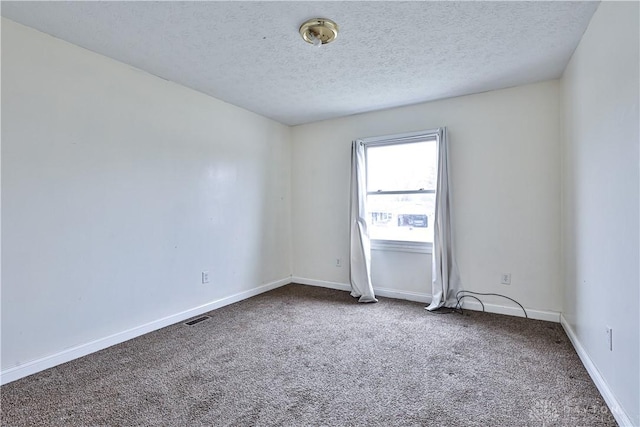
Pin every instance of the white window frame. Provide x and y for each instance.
(403, 138)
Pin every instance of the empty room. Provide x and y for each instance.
(320, 213)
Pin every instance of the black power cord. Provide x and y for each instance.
(459, 306)
(460, 298)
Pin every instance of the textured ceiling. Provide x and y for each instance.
(387, 53)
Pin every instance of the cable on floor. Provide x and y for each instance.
(460, 298)
(468, 296)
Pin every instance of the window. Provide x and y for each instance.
(401, 191)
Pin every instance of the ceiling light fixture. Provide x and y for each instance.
(319, 31)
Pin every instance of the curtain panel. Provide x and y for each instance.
(360, 253)
(445, 276)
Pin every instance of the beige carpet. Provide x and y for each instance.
(308, 356)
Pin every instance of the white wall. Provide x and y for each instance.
(505, 155)
(601, 196)
(118, 189)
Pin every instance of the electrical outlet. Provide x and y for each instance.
(610, 337)
(505, 278)
(338, 262)
(205, 277)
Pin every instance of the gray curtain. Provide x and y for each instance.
(360, 253)
(445, 276)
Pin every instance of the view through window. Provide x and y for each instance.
(401, 187)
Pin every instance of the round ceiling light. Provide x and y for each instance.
(319, 31)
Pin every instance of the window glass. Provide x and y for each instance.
(400, 167)
(401, 217)
(401, 184)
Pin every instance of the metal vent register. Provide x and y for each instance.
(197, 320)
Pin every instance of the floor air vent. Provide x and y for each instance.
(196, 320)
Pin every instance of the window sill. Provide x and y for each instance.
(399, 246)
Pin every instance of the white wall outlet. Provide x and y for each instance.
(338, 262)
(505, 278)
(610, 337)
(205, 277)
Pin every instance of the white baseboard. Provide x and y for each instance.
(383, 292)
(619, 414)
(551, 316)
(406, 295)
(29, 368)
(321, 283)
